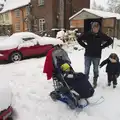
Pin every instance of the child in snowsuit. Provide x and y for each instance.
(112, 69)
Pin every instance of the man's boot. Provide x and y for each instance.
(114, 86)
(109, 83)
(95, 82)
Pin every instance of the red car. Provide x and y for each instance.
(25, 44)
(6, 114)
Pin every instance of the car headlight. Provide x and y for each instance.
(1, 55)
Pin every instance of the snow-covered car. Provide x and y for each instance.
(25, 44)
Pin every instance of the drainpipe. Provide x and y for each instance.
(64, 14)
(71, 8)
(30, 21)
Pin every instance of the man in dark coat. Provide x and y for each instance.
(93, 42)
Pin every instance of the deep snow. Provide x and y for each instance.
(31, 90)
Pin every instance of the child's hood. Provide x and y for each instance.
(114, 58)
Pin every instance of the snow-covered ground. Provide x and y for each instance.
(31, 90)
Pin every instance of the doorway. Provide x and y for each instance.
(88, 22)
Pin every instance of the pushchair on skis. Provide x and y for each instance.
(69, 87)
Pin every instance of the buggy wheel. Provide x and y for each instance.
(10, 118)
(71, 104)
(54, 96)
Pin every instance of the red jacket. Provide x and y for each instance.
(48, 66)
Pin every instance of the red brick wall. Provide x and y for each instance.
(77, 5)
(50, 11)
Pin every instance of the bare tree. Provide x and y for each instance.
(97, 7)
(114, 6)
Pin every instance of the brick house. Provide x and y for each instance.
(18, 19)
(49, 14)
(14, 16)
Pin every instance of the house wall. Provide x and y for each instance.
(77, 24)
(43, 12)
(50, 11)
(20, 20)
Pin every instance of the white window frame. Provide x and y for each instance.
(17, 13)
(41, 2)
(17, 26)
(6, 16)
(27, 10)
(41, 25)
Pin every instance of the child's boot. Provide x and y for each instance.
(114, 86)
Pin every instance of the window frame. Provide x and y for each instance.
(17, 13)
(41, 25)
(27, 10)
(17, 23)
(41, 2)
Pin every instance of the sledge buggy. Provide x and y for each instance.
(69, 87)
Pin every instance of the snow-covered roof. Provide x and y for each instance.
(13, 4)
(101, 14)
(2, 1)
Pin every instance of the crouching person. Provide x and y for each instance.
(78, 81)
(112, 69)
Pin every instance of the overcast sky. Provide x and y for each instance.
(101, 2)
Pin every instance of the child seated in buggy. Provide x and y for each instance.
(70, 87)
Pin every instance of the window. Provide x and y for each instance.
(17, 27)
(41, 25)
(35, 21)
(27, 39)
(1, 17)
(6, 16)
(27, 10)
(41, 2)
(17, 13)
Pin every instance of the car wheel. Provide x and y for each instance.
(15, 56)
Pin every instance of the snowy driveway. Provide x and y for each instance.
(31, 90)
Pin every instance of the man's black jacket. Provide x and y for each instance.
(94, 43)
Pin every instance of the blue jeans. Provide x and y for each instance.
(95, 62)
